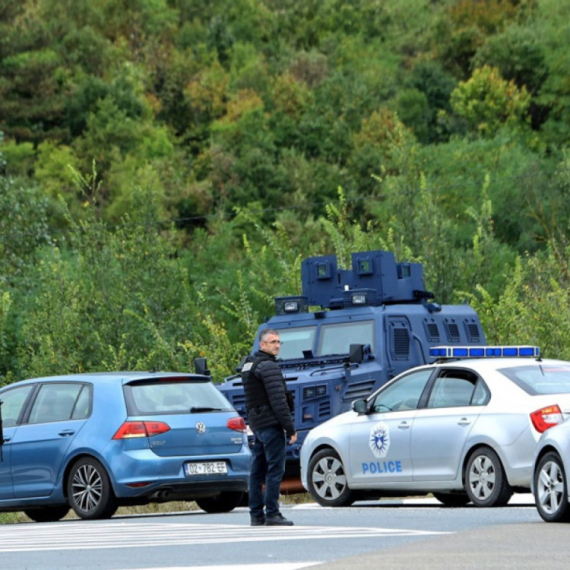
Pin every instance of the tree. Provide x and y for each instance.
(487, 102)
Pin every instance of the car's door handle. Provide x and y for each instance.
(6, 439)
(67, 432)
(404, 425)
(464, 422)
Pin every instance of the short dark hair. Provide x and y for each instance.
(265, 333)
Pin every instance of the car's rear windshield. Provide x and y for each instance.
(168, 396)
(537, 378)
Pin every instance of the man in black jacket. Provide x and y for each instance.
(270, 419)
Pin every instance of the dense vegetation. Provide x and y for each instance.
(165, 165)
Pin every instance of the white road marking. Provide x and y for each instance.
(83, 535)
(277, 566)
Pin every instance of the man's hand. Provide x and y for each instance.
(293, 439)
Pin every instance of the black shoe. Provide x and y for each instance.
(278, 520)
(257, 521)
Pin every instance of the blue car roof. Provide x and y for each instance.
(111, 377)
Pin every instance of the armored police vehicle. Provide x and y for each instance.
(351, 331)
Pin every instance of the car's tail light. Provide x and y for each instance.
(546, 418)
(141, 429)
(237, 424)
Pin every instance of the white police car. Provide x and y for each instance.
(550, 474)
(464, 428)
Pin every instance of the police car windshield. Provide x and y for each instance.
(295, 341)
(539, 378)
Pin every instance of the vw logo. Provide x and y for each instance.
(200, 427)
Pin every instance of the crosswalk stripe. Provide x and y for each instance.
(265, 566)
(84, 535)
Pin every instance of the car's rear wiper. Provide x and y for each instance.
(196, 409)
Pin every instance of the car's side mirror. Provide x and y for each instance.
(356, 353)
(360, 406)
(240, 365)
(201, 366)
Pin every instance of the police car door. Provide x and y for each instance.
(380, 440)
(441, 429)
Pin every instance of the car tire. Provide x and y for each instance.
(550, 489)
(47, 514)
(453, 499)
(327, 480)
(222, 503)
(485, 479)
(89, 490)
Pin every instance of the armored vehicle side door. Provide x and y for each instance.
(402, 350)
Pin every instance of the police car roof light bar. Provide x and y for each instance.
(483, 351)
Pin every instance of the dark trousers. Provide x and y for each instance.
(267, 468)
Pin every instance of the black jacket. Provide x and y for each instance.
(265, 399)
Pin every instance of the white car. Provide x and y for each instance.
(464, 428)
(550, 474)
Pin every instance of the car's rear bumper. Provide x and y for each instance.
(141, 473)
(164, 492)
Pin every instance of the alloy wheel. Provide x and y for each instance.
(550, 487)
(87, 487)
(482, 477)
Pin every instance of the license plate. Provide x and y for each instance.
(210, 468)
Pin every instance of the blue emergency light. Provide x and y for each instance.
(483, 351)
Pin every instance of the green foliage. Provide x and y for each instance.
(487, 101)
(5, 303)
(489, 256)
(19, 158)
(8, 518)
(24, 214)
(346, 236)
(518, 56)
(430, 79)
(117, 300)
(54, 172)
(553, 29)
(456, 170)
(534, 305)
(444, 123)
(462, 27)
(413, 110)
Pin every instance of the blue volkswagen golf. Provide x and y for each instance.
(94, 442)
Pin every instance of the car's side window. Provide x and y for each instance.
(13, 402)
(54, 402)
(83, 404)
(481, 396)
(455, 388)
(404, 394)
